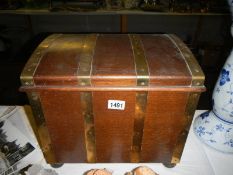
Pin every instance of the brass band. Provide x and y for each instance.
(30, 68)
(141, 67)
(142, 74)
(193, 97)
(29, 71)
(38, 122)
(84, 74)
(192, 64)
(190, 108)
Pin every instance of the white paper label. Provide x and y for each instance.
(116, 104)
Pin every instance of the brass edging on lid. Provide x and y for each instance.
(196, 72)
(115, 88)
(84, 79)
(142, 74)
(33, 62)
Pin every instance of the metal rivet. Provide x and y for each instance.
(194, 94)
(142, 94)
(183, 133)
(34, 97)
(137, 108)
(84, 69)
(143, 83)
(186, 55)
(90, 133)
(46, 46)
(137, 133)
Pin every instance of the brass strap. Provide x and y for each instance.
(84, 74)
(32, 64)
(141, 67)
(193, 97)
(142, 74)
(190, 108)
(28, 74)
(197, 74)
(38, 122)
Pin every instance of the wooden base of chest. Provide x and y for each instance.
(79, 127)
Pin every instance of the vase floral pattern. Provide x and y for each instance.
(224, 77)
(215, 128)
(214, 132)
(223, 92)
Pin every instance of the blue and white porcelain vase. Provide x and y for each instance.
(215, 128)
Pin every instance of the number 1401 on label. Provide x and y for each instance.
(116, 104)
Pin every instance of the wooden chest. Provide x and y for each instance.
(112, 97)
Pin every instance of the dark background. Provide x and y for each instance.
(207, 35)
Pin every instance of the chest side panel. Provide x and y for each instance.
(65, 124)
(164, 122)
